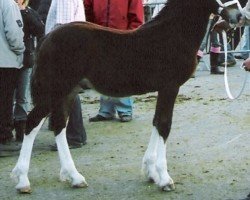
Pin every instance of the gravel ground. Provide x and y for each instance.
(208, 149)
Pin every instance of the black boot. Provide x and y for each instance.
(20, 129)
(215, 69)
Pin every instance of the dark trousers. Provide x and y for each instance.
(8, 81)
(75, 130)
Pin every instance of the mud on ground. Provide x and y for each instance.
(208, 150)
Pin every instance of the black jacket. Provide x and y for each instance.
(33, 27)
(43, 9)
(34, 4)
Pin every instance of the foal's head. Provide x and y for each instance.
(230, 10)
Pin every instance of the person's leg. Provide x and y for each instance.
(214, 54)
(75, 130)
(230, 57)
(204, 41)
(204, 44)
(106, 111)
(107, 108)
(245, 44)
(21, 102)
(8, 78)
(124, 107)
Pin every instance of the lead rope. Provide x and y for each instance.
(229, 94)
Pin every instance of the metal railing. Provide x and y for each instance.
(150, 6)
(237, 47)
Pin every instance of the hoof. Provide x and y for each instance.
(25, 190)
(151, 180)
(80, 185)
(168, 188)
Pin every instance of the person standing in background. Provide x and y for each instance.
(123, 15)
(61, 12)
(33, 27)
(11, 58)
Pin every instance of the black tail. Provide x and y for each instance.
(40, 83)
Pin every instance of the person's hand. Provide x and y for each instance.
(246, 64)
(221, 25)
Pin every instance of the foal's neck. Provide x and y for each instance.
(179, 22)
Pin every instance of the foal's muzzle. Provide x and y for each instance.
(230, 11)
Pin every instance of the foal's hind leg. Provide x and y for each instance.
(154, 160)
(68, 169)
(59, 117)
(20, 171)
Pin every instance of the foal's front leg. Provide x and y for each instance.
(20, 172)
(154, 160)
(150, 157)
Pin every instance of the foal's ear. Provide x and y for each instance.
(224, 13)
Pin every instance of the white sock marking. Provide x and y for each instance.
(149, 159)
(68, 169)
(22, 167)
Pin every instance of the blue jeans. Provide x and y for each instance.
(246, 41)
(109, 106)
(22, 95)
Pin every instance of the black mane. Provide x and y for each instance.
(187, 8)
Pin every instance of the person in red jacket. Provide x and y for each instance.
(123, 15)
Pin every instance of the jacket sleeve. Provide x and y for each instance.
(88, 4)
(33, 21)
(13, 26)
(135, 14)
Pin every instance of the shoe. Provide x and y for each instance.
(216, 70)
(243, 57)
(99, 118)
(53, 147)
(10, 146)
(230, 63)
(125, 118)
